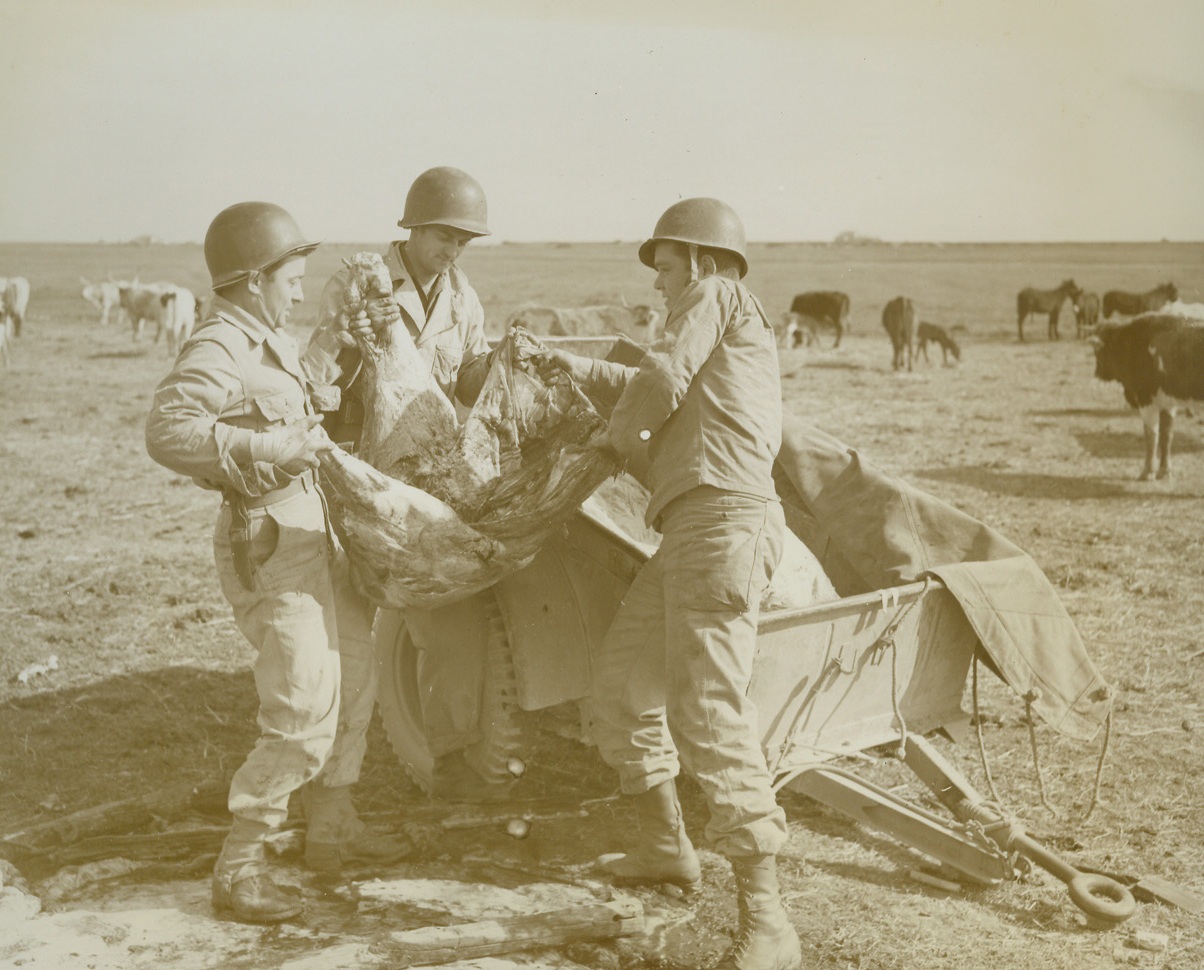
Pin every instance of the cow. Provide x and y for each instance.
(899, 319)
(1158, 358)
(789, 334)
(1131, 304)
(638, 322)
(141, 302)
(1086, 314)
(178, 317)
(1030, 300)
(817, 310)
(16, 302)
(930, 333)
(105, 295)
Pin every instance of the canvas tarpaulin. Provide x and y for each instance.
(872, 531)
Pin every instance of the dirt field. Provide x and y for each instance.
(121, 673)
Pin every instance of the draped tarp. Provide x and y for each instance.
(872, 531)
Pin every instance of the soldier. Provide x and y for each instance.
(234, 414)
(445, 209)
(699, 421)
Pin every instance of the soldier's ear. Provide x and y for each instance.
(707, 265)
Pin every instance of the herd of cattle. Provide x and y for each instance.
(1157, 356)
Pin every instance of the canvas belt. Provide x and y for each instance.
(303, 483)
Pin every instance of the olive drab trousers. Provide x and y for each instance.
(672, 673)
(315, 671)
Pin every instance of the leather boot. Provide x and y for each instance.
(335, 837)
(765, 940)
(241, 885)
(662, 851)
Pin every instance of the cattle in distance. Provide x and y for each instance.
(899, 320)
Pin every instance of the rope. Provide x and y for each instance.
(888, 640)
(1099, 766)
(1029, 697)
(982, 745)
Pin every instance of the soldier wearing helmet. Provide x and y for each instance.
(438, 308)
(699, 422)
(235, 415)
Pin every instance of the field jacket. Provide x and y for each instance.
(234, 377)
(704, 407)
(449, 333)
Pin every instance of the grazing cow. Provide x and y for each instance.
(1131, 304)
(930, 332)
(16, 302)
(899, 319)
(816, 310)
(637, 322)
(789, 334)
(1158, 358)
(141, 302)
(1030, 300)
(105, 295)
(1086, 314)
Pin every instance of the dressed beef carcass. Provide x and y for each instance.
(435, 509)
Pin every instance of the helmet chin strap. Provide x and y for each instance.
(693, 250)
(262, 306)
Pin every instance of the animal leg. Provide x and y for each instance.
(1166, 426)
(1149, 428)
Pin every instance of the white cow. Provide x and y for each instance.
(178, 318)
(4, 330)
(16, 302)
(105, 295)
(638, 322)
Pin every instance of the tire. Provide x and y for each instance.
(400, 712)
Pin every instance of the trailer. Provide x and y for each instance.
(830, 681)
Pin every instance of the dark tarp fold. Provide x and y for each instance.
(872, 531)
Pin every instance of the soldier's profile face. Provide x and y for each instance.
(281, 290)
(672, 265)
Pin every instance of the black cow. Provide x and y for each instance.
(1029, 301)
(1159, 360)
(930, 333)
(817, 309)
(1086, 314)
(899, 319)
(1131, 304)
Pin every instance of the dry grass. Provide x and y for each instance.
(108, 567)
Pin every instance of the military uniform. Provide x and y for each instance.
(278, 561)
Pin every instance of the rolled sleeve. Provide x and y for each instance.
(475, 366)
(326, 358)
(664, 376)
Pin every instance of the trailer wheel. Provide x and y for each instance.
(401, 713)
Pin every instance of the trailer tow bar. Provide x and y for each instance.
(1096, 895)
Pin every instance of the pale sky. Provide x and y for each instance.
(957, 120)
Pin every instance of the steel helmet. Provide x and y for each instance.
(248, 237)
(702, 222)
(446, 196)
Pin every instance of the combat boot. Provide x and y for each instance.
(765, 940)
(336, 837)
(241, 885)
(662, 852)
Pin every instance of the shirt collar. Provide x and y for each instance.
(249, 324)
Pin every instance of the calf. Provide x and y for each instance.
(16, 302)
(1086, 314)
(1158, 358)
(637, 322)
(899, 319)
(816, 310)
(930, 333)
